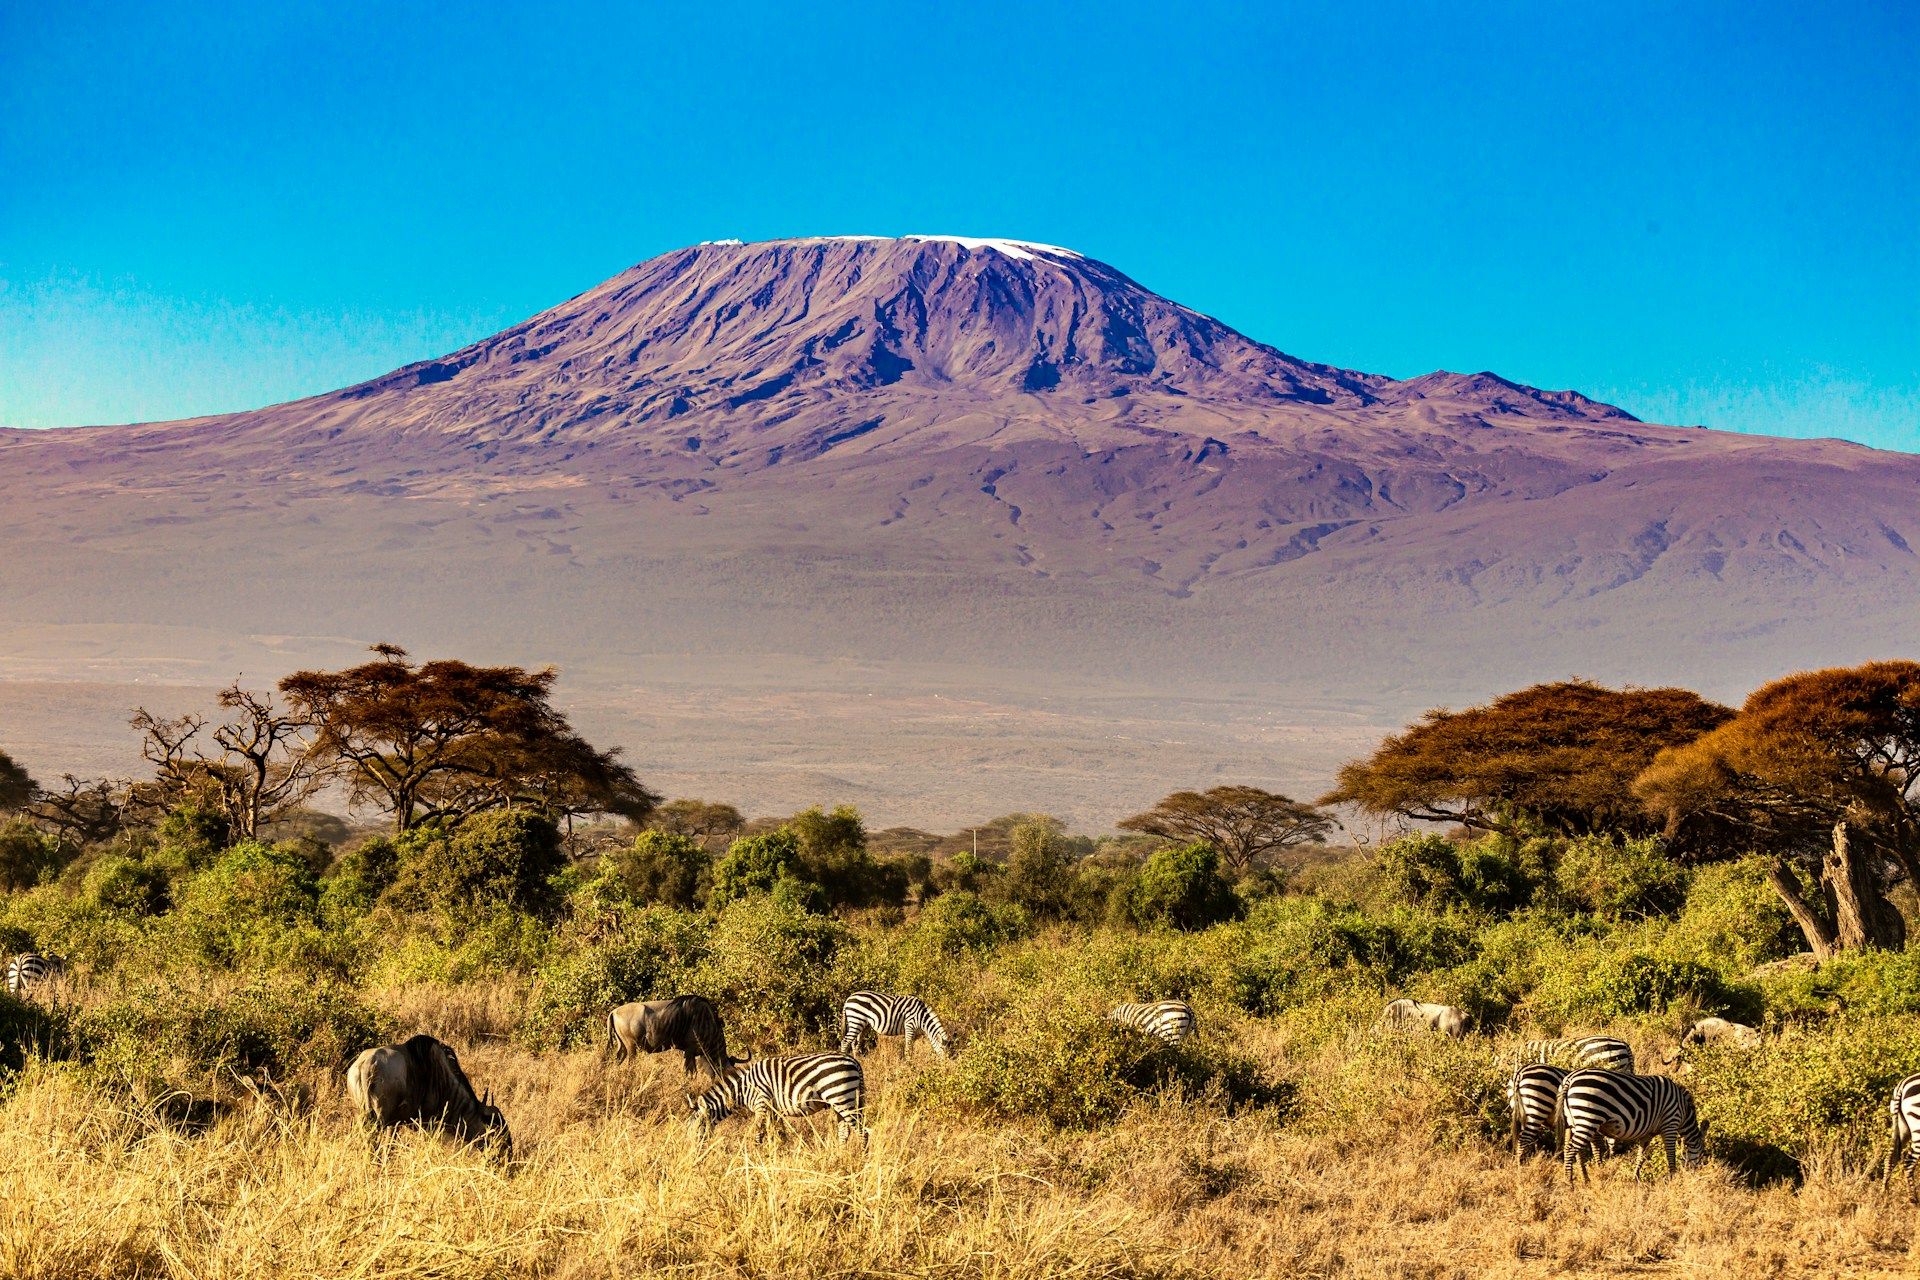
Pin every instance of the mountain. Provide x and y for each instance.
(827, 493)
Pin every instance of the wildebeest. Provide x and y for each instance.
(419, 1081)
(1411, 1015)
(688, 1023)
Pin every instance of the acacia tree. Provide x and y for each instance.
(445, 739)
(714, 825)
(263, 767)
(1821, 770)
(1244, 824)
(1563, 755)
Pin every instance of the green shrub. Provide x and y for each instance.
(127, 886)
(1621, 880)
(657, 868)
(1806, 1087)
(1491, 874)
(769, 965)
(28, 855)
(1296, 949)
(356, 882)
(1631, 984)
(766, 864)
(1734, 919)
(31, 1029)
(504, 859)
(646, 957)
(240, 909)
(190, 837)
(1181, 887)
(281, 1027)
(1868, 983)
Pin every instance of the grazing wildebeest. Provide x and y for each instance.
(688, 1023)
(1411, 1015)
(1718, 1031)
(419, 1081)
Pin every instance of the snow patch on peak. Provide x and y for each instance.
(704, 243)
(1024, 250)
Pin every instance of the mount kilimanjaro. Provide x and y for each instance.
(917, 521)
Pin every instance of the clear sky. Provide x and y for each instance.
(1708, 213)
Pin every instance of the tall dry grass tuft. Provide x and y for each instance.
(607, 1181)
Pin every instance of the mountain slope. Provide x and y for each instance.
(930, 462)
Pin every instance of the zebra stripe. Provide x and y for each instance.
(31, 969)
(884, 1015)
(1583, 1053)
(1905, 1110)
(798, 1085)
(1632, 1110)
(1169, 1020)
(1533, 1094)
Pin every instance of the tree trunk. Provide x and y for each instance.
(1862, 915)
(1819, 934)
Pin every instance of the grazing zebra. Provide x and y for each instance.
(1168, 1020)
(32, 969)
(1583, 1053)
(884, 1015)
(1632, 1110)
(1533, 1094)
(797, 1085)
(1905, 1109)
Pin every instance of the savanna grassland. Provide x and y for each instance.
(1626, 862)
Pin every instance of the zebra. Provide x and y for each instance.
(884, 1015)
(1168, 1020)
(796, 1085)
(1630, 1109)
(1533, 1094)
(1582, 1053)
(33, 969)
(1905, 1109)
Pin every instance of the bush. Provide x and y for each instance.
(28, 855)
(359, 878)
(1733, 918)
(657, 868)
(1039, 871)
(1054, 1057)
(1181, 887)
(29, 1029)
(240, 909)
(1492, 875)
(127, 886)
(833, 854)
(1293, 950)
(191, 836)
(1806, 1087)
(1623, 985)
(1620, 880)
(647, 958)
(768, 966)
(766, 864)
(504, 859)
(277, 1027)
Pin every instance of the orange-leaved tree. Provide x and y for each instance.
(1821, 771)
(1562, 755)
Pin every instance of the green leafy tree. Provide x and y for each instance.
(1039, 871)
(1247, 825)
(713, 825)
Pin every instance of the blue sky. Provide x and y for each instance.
(1706, 213)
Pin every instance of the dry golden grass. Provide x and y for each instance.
(607, 1182)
